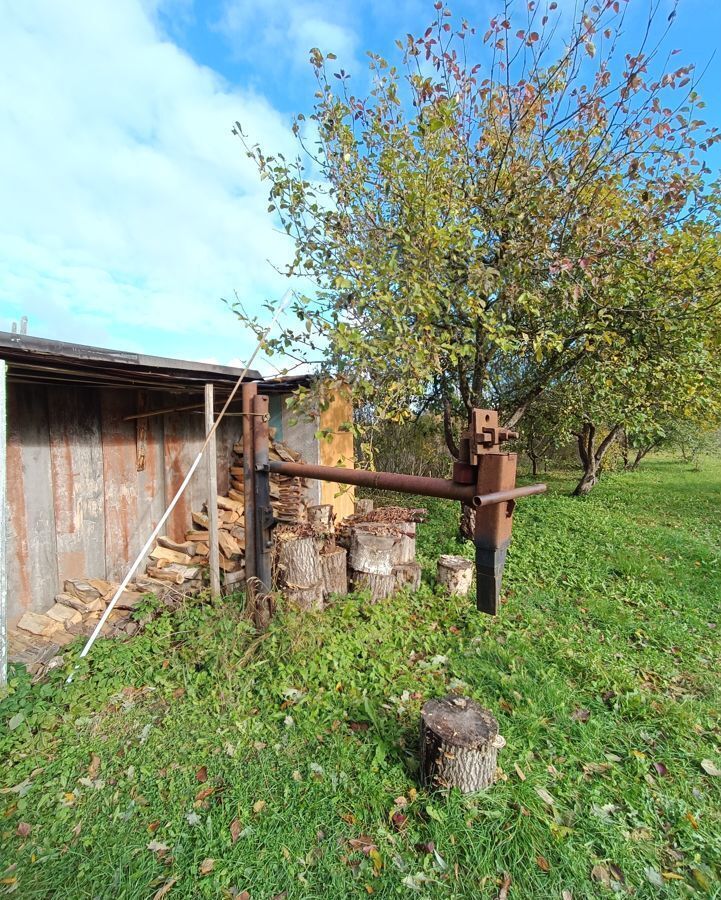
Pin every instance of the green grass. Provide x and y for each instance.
(309, 737)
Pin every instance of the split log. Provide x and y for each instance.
(333, 569)
(165, 575)
(82, 606)
(407, 575)
(379, 586)
(455, 574)
(299, 571)
(197, 536)
(187, 547)
(363, 505)
(459, 744)
(321, 517)
(234, 579)
(171, 556)
(201, 519)
(81, 589)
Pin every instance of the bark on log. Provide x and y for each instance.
(321, 517)
(299, 572)
(455, 573)
(370, 551)
(363, 505)
(407, 575)
(380, 586)
(459, 744)
(333, 567)
(404, 550)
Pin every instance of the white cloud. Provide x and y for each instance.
(128, 207)
(289, 29)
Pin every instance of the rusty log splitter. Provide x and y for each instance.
(484, 478)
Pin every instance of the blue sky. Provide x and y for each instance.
(129, 210)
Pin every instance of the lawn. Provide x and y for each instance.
(197, 760)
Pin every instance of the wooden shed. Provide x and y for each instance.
(98, 441)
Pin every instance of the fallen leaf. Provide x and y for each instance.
(153, 827)
(601, 873)
(192, 818)
(399, 820)
(204, 793)
(581, 715)
(259, 745)
(259, 806)
(653, 877)
(710, 768)
(427, 847)
(377, 860)
(77, 829)
(616, 873)
(700, 879)
(165, 889)
(202, 774)
(566, 895)
(692, 820)
(158, 847)
(519, 771)
(94, 766)
(545, 796)
(349, 818)
(660, 768)
(206, 867)
(23, 829)
(235, 830)
(369, 889)
(505, 887)
(364, 843)
(543, 863)
(358, 726)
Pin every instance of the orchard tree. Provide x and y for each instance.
(464, 231)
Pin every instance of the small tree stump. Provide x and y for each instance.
(408, 575)
(363, 506)
(455, 573)
(321, 517)
(380, 586)
(299, 572)
(404, 550)
(333, 569)
(459, 744)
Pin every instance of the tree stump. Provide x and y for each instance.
(407, 575)
(459, 744)
(404, 550)
(455, 573)
(379, 586)
(299, 572)
(363, 506)
(333, 566)
(321, 517)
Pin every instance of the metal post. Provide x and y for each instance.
(3, 527)
(212, 483)
(263, 508)
(249, 391)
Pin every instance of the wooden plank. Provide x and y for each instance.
(229, 432)
(3, 527)
(151, 479)
(122, 537)
(183, 438)
(76, 458)
(32, 549)
(338, 451)
(212, 480)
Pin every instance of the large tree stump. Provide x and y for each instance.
(363, 506)
(299, 572)
(333, 566)
(407, 575)
(378, 585)
(455, 574)
(459, 744)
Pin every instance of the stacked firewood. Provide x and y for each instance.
(287, 494)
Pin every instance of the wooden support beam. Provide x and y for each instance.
(3, 527)
(212, 483)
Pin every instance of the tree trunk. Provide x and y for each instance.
(455, 574)
(379, 586)
(467, 522)
(372, 548)
(363, 506)
(404, 549)
(459, 745)
(333, 566)
(592, 459)
(299, 572)
(321, 517)
(407, 575)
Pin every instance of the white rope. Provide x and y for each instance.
(171, 506)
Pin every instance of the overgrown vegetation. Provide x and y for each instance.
(200, 759)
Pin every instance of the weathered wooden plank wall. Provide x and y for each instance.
(86, 488)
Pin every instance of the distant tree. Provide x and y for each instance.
(473, 231)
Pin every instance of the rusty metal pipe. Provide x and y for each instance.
(406, 484)
(502, 496)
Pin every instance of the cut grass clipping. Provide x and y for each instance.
(196, 761)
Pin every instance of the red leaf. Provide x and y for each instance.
(660, 768)
(235, 830)
(23, 829)
(581, 715)
(202, 774)
(399, 820)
